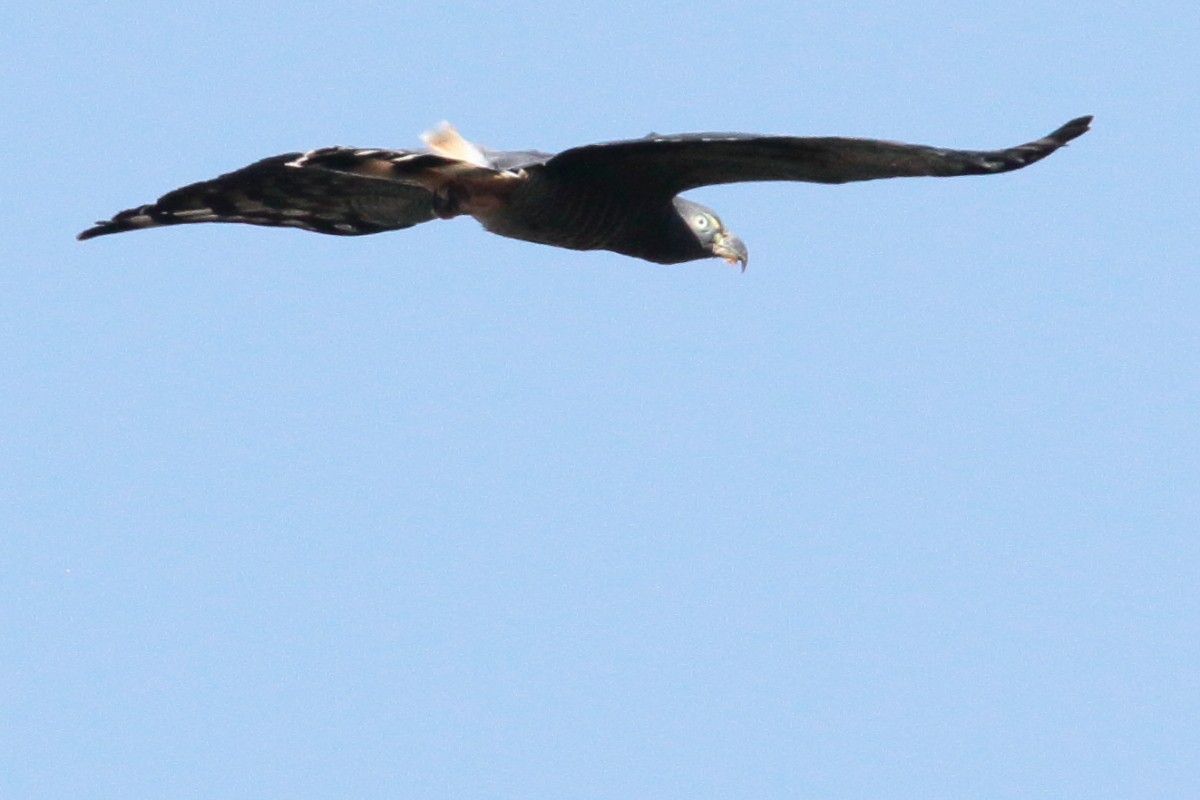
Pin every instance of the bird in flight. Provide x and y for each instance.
(620, 196)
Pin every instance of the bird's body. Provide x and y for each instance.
(618, 196)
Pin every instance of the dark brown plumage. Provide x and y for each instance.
(618, 196)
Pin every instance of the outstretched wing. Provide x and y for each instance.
(672, 164)
(335, 190)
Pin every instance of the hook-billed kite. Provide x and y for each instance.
(619, 196)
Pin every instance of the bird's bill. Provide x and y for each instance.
(731, 248)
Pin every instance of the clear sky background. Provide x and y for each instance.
(908, 510)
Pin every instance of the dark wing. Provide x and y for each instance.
(336, 190)
(672, 164)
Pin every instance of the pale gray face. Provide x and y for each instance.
(711, 233)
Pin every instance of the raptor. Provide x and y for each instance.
(621, 196)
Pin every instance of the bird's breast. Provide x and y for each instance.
(575, 216)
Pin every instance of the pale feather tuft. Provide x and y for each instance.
(446, 141)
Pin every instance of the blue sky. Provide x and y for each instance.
(907, 510)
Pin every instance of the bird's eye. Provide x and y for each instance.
(700, 221)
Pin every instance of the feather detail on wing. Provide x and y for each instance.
(671, 164)
(456, 186)
(283, 191)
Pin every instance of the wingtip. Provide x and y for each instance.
(1073, 129)
(131, 219)
(105, 227)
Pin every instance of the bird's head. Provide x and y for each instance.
(711, 233)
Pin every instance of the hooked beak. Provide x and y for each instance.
(731, 248)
